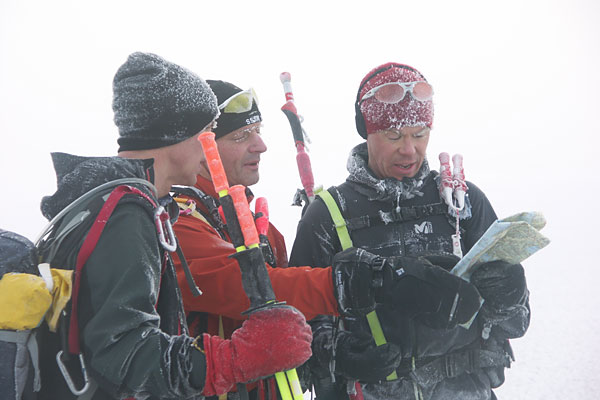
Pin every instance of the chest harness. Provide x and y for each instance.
(430, 370)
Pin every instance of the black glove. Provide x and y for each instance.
(506, 306)
(420, 289)
(501, 284)
(358, 358)
(356, 275)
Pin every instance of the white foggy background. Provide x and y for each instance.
(516, 92)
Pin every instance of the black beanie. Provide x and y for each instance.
(229, 122)
(158, 103)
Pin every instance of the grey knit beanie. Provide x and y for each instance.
(158, 103)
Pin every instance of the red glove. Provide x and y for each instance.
(269, 341)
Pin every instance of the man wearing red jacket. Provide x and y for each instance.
(207, 246)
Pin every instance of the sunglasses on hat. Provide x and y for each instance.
(240, 102)
(394, 92)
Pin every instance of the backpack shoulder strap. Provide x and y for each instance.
(86, 250)
(72, 216)
(338, 219)
(346, 242)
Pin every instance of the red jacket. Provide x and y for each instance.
(308, 289)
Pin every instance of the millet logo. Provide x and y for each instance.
(424, 227)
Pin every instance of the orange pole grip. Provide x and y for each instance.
(213, 160)
(262, 223)
(240, 202)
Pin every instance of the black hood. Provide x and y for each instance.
(77, 175)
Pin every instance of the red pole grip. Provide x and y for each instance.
(213, 161)
(240, 202)
(305, 169)
(262, 222)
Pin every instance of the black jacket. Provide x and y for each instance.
(131, 320)
(392, 218)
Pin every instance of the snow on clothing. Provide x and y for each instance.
(133, 339)
(219, 277)
(389, 231)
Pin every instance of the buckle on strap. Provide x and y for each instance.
(377, 267)
(166, 236)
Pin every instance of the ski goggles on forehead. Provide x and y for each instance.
(240, 102)
(394, 92)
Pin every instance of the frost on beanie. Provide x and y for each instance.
(229, 122)
(373, 115)
(157, 103)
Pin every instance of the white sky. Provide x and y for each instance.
(517, 93)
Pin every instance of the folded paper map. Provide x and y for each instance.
(511, 239)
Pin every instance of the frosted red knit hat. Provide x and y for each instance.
(373, 115)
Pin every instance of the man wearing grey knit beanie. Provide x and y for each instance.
(126, 326)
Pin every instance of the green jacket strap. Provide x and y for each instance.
(346, 242)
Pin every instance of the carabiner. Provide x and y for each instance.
(67, 376)
(161, 220)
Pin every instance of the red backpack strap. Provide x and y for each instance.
(86, 250)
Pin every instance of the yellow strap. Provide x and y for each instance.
(184, 206)
(379, 337)
(292, 376)
(338, 219)
(282, 384)
(346, 242)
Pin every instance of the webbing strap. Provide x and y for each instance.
(338, 219)
(190, 209)
(346, 242)
(86, 250)
(379, 337)
(26, 338)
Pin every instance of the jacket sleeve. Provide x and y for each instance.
(483, 216)
(219, 277)
(316, 239)
(122, 342)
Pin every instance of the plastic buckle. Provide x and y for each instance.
(162, 221)
(67, 376)
(377, 267)
(378, 263)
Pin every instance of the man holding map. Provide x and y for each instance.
(403, 220)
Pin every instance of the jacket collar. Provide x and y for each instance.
(77, 175)
(374, 188)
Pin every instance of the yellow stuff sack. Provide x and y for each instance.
(61, 294)
(25, 299)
